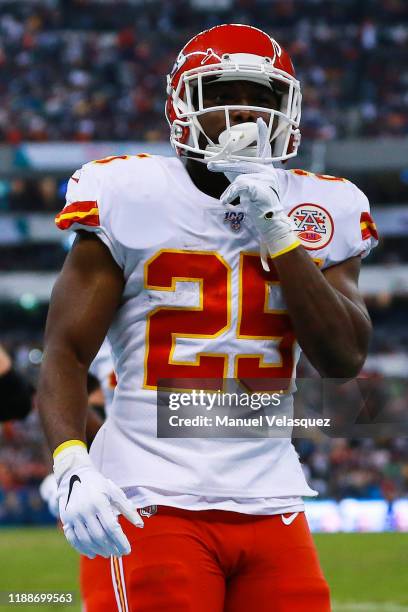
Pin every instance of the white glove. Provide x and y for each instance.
(49, 493)
(257, 186)
(89, 505)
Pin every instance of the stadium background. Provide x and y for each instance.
(79, 80)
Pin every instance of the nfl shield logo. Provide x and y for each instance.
(148, 511)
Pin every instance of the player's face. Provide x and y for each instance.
(244, 93)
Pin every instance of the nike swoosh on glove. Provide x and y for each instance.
(257, 187)
(49, 493)
(89, 505)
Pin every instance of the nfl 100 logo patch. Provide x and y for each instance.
(235, 219)
(314, 226)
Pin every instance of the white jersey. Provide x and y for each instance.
(102, 368)
(197, 304)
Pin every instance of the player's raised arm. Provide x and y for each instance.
(328, 314)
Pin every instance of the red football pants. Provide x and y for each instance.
(216, 561)
(95, 579)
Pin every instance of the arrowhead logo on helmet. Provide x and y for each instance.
(232, 52)
(181, 59)
(277, 49)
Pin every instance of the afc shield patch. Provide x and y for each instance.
(314, 226)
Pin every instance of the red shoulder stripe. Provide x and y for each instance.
(368, 227)
(85, 213)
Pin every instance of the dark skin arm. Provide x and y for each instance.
(329, 316)
(83, 303)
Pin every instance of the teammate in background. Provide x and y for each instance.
(190, 286)
(15, 391)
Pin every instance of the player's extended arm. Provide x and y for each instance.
(329, 316)
(83, 303)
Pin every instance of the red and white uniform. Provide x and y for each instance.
(194, 306)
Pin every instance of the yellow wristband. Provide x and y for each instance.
(67, 444)
(286, 250)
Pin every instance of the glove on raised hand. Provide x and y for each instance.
(257, 187)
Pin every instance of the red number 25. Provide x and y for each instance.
(212, 317)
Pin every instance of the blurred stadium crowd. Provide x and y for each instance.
(23, 465)
(360, 469)
(85, 70)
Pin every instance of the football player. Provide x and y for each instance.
(209, 265)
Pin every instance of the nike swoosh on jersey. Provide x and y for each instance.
(75, 478)
(287, 520)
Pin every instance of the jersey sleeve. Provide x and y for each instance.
(87, 209)
(355, 232)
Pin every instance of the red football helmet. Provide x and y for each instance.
(232, 52)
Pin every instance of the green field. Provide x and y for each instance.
(366, 572)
